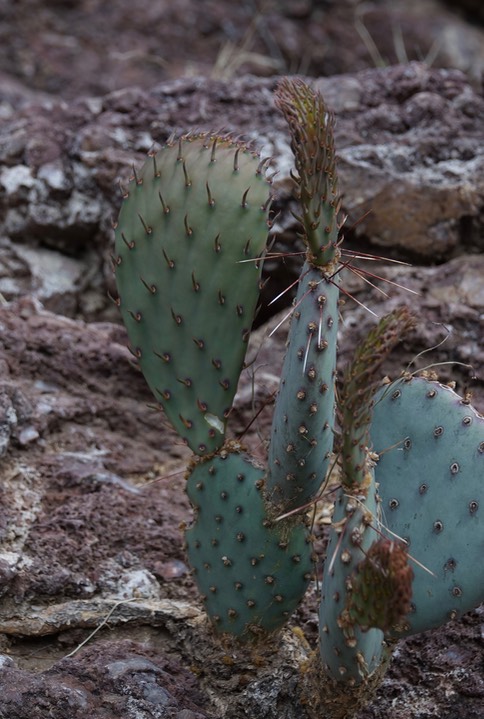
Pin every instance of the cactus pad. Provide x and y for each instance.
(302, 430)
(431, 482)
(191, 216)
(252, 572)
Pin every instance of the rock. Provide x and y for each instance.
(135, 683)
(408, 137)
(84, 50)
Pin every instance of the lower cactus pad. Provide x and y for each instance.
(252, 572)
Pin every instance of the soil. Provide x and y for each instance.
(99, 614)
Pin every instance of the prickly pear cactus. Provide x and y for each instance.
(430, 473)
(252, 571)
(190, 220)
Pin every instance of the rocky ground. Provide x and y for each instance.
(91, 480)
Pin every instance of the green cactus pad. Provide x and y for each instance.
(431, 482)
(192, 225)
(252, 572)
(303, 425)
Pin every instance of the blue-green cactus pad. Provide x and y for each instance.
(252, 572)
(431, 483)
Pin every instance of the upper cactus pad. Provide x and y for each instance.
(194, 213)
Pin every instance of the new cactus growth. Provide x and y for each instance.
(302, 430)
(351, 647)
(407, 533)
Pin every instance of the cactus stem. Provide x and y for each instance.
(165, 207)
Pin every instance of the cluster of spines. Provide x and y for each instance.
(311, 126)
